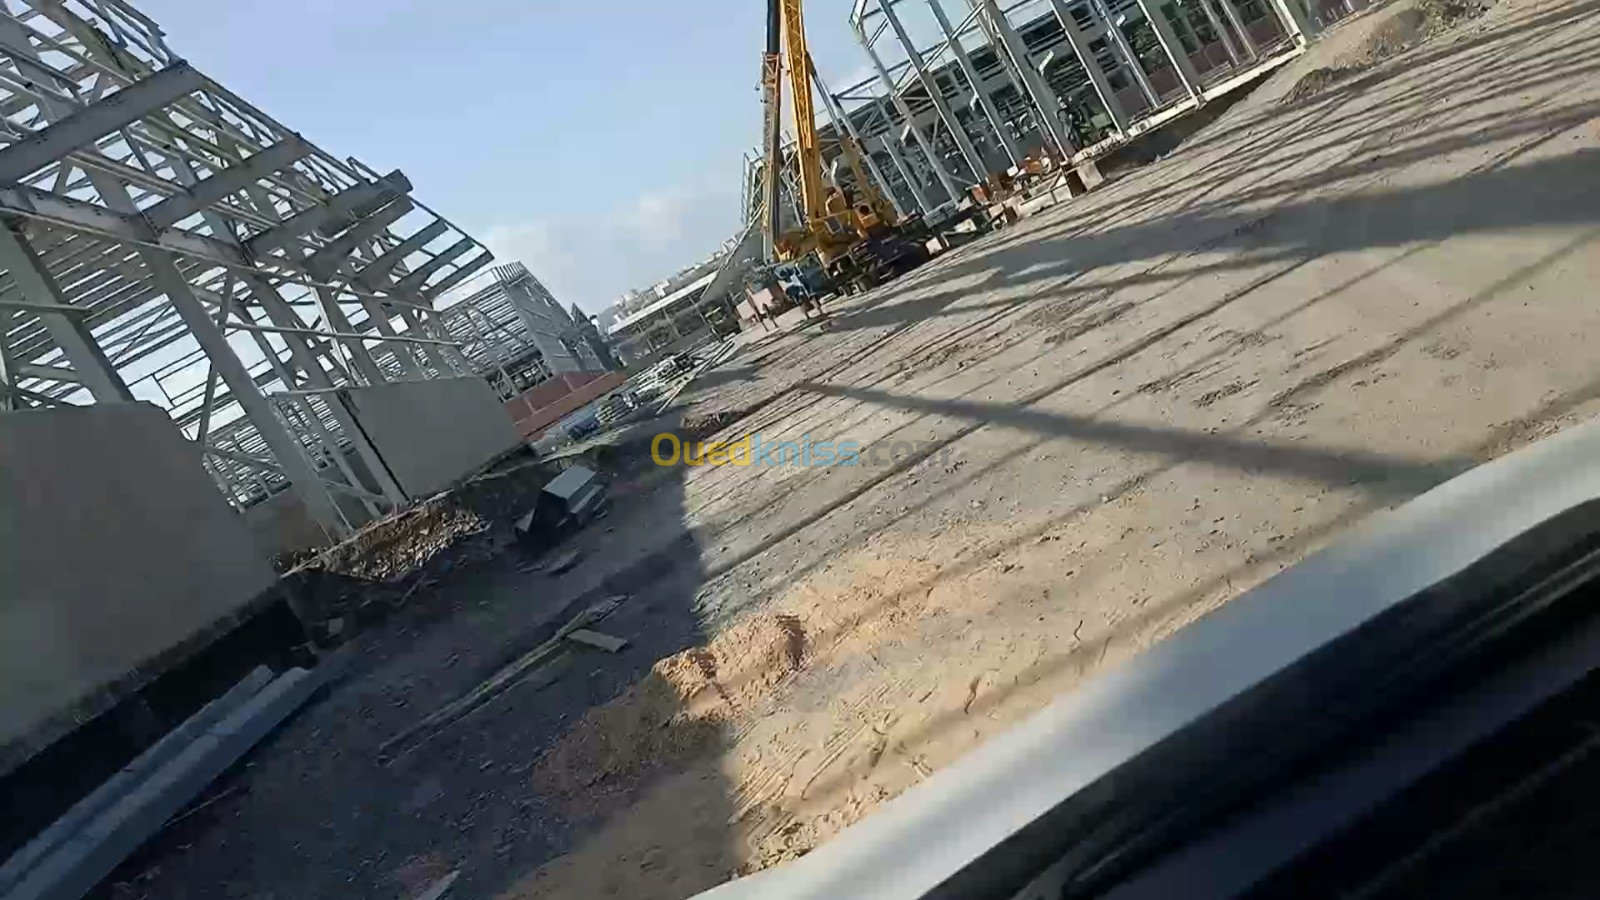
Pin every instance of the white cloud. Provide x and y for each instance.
(545, 250)
(656, 219)
(591, 259)
(862, 74)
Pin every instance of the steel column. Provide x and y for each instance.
(1141, 79)
(405, 354)
(900, 104)
(1046, 104)
(300, 352)
(354, 352)
(892, 145)
(957, 130)
(318, 430)
(1221, 31)
(1249, 43)
(1188, 78)
(841, 119)
(8, 370)
(305, 358)
(973, 78)
(1091, 66)
(288, 451)
(69, 331)
(1302, 28)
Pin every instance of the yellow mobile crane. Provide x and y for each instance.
(857, 242)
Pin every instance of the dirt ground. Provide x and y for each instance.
(1113, 419)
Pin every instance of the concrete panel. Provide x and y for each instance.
(114, 548)
(433, 433)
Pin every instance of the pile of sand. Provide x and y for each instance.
(1401, 27)
(681, 709)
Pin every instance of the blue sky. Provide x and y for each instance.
(596, 140)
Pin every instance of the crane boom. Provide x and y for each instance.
(856, 241)
(808, 148)
(771, 129)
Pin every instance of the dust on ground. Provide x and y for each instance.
(975, 602)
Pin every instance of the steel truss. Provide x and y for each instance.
(164, 240)
(987, 83)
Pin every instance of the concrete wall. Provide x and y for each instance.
(433, 433)
(114, 548)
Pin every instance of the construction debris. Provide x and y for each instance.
(71, 857)
(130, 777)
(607, 642)
(440, 887)
(524, 668)
(565, 562)
(569, 502)
(718, 355)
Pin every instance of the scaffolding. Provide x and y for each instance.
(163, 240)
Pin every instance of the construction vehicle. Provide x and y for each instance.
(858, 241)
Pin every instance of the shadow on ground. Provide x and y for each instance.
(316, 815)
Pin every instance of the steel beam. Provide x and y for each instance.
(69, 332)
(1091, 66)
(1009, 44)
(86, 125)
(331, 217)
(47, 373)
(931, 84)
(24, 306)
(342, 335)
(900, 104)
(459, 275)
(973, 78)
(414, 282)
(229, 181)
(324, 263)
(1188, 78)
(377, 272)
(34, 203)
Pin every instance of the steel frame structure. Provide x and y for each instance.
(164, 240)
(1100, 52)
(513, 331)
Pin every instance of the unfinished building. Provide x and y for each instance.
(200, 309)
(960, 94)
(545, 360)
